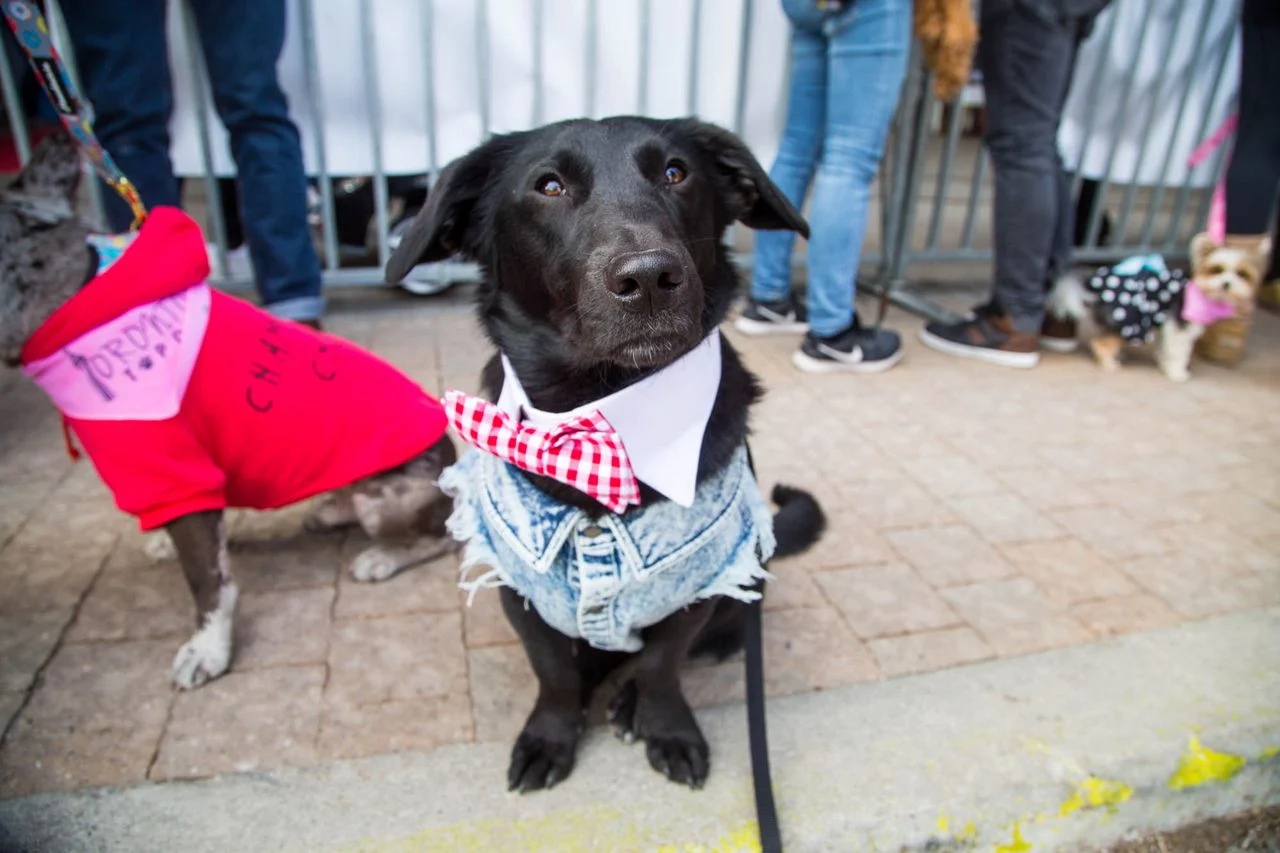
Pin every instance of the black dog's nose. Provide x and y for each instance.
(645, 281)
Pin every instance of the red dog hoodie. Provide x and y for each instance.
(187, 399)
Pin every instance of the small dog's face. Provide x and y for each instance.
(600, 239)
(43, 256)
(1229, 274)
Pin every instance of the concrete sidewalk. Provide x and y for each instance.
(976, 757)
(978, 514)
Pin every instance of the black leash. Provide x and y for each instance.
(757, 730)
(757, 733)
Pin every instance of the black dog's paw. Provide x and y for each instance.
(622, 712)
(673, 742)
(538, 762)
(685, 758)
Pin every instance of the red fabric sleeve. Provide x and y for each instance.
(157, 470)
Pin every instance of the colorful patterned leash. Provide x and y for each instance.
(32, 33)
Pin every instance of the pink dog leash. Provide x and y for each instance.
(1217, 223)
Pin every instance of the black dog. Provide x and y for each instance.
(601, 245)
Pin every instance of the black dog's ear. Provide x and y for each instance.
(53, 172)
(436, 232)
(446, 225)
(755, 200)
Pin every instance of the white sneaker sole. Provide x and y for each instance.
(1019, 360)
(809, 364)
(1059, 345)
(760, 328)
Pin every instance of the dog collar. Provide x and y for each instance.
(660, 419)
(110, 247)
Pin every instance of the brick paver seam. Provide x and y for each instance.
(57, 484)
(38, 675)
(325, 722)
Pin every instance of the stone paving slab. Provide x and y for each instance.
(1002, 755)
(976, 513)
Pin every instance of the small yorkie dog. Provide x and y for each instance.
(1138, 301)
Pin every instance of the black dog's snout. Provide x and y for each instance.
(645, 281)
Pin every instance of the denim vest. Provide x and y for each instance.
(605, 579)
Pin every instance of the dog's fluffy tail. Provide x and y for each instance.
(799, 521)
(1068, 299)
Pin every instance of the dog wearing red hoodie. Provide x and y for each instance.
(189, 401)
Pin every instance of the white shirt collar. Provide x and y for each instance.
(660, 419)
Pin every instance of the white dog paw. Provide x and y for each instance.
(208, 653)
(159, 547)
(376, 564)
(199, 661)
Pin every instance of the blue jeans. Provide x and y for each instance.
(121, 54)
(847, 69)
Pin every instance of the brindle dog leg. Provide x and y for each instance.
(335, 511)
(404, 512)
(201, 543)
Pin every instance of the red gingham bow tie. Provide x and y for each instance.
(583, 452)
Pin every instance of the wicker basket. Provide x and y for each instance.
(1269, 295)
(1223, 342)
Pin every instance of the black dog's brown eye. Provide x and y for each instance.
(551, 185)
(674, 174)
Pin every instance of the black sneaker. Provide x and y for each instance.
(856, 350)
(1057, 334)
(986, 337)
(771, 318)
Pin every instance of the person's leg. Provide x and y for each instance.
(868, 50)
(229, 196)
(792, 171)
(1026, 55)
(1254, 173)
(867, 62)
(242, 40)
(124, 69)
(1026, 67)
(1273, 268)
(1059, 334)
(1084, 209)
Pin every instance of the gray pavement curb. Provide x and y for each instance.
(949, 760)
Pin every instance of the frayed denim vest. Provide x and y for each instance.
(604, 580)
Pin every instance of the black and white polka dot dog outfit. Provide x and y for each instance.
(1136, 297)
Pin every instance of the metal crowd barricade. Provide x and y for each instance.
(1153, 210)
(933, 194)
(334, 271)
(704, 19)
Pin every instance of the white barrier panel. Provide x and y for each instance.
(1179, 43)
(484, 63)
